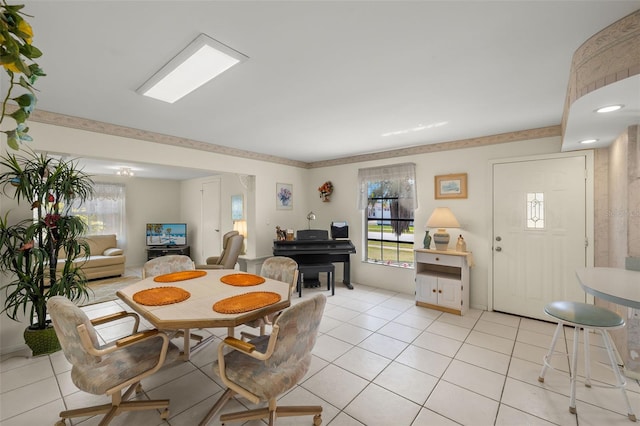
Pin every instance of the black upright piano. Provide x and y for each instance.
(313, 246)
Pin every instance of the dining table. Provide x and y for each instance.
(213, 298)
(617, 285)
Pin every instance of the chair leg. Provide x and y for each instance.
(546, 360)
(119, 404)
(573, 370)
(261, 413)
(587, 359)
(256, 414)
(616, 370)
(226, 396)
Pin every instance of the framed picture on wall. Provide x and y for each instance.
(451, 186)
(284, 196)
(237, 207)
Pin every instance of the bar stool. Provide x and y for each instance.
(586, 317)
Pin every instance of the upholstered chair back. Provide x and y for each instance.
(297, 328)
(66, 318)
(281, 268)
(167, 264)
(217, 260)
(231, 252)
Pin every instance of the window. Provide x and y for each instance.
(388, 199)
(104, 212)
(535, 210)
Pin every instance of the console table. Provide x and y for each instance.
(153, 252)
(442, 280)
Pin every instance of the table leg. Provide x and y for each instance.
(186, 346)
(189, 350)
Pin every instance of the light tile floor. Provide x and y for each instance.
(379, 360)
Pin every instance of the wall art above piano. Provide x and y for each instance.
(284, 196)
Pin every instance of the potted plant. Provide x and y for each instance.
(40, 255)
(17, 56)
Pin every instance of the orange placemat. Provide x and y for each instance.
(246, 302)
(161, 296)
(242, 279)
(179, 276)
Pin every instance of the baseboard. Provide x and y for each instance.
(15, 351)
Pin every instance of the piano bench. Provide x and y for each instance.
(317, 268)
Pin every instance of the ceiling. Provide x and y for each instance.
(324, 79)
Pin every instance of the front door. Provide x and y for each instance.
(539, 233)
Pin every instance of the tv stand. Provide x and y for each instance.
(153, 252)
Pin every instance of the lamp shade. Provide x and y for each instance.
(442, 217)
(241, 227)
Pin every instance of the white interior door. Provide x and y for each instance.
(539, 233)
(210, 229)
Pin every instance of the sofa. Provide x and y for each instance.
(106, 259)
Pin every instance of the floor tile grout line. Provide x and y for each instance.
(387, 321)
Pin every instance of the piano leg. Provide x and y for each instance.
(346, 273)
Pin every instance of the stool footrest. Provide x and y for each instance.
(316, 268)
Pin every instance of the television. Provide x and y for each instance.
(166, 234)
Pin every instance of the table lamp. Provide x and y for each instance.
(441, 218)
(311, 216)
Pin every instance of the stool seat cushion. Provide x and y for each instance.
(583, 314)
(316, 267)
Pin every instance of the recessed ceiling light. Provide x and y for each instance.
(202, 60)
(587, 141)
(609, 108)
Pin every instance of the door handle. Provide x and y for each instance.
(498, 238)
(498, 248)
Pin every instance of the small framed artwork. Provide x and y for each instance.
(284, 196)
(451, 186)
(237, 207)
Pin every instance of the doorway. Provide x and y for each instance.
(210, 233)
(542, 225)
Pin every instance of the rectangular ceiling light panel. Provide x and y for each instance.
(199, 62)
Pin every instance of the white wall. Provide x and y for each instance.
(147, 201)
(473, 213)
(80, 143)
(191, 211)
